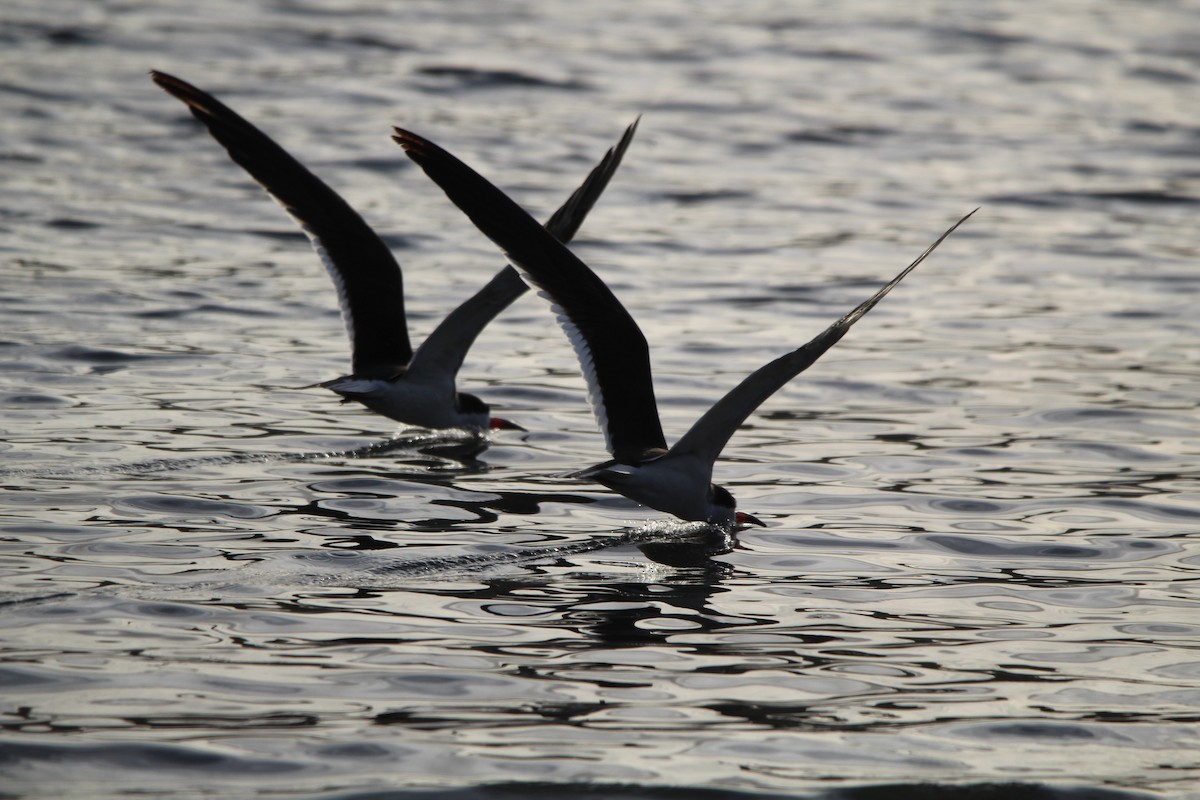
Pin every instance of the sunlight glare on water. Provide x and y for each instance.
(979, 571)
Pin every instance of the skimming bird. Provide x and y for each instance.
(615, 359)
(387, 376)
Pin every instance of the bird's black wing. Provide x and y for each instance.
(367, 277)
(708, 436)
(441, 355)
(611, 348)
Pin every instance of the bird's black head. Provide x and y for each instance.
(725, 513)
(472, 407)
(470, 404)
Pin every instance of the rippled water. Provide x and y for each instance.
(980, 572)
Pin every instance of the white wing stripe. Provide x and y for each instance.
(338, 282)
(586, 364)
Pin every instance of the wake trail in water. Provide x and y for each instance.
(377, 571)
(404, 441)
(654, 533)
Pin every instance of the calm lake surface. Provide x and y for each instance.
(981, 572)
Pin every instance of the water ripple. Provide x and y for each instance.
(979, 575)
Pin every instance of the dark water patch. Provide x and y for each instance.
(1015, 790)
(1139, 314)
(164, 611)
(14, 678)
(1161, 75)
(1114, 549)
(1064, 732)
(693, 198)
(384, 166)
(29, 400)
(360, 750)
(235, 311)
(266, 722)
(446, 684)
(71, 224)
(38, 94)
(18, 158)
(166, 313)
(1152, 630)
(977, 36)
(559, 791)
(1171, 279)
(986, 547)
(961, 505)
(1186, 670)
(1147, 422)
(523, 503)
(136, 551)
(838, 134)
(1146, 196)
(1068, 199)
(174, 759)
(838, 54)
(323, 38)
(825, 542)
(792, 296)
(478, 78)
(179, 506)
(1151, 510)
(396, 241)
(71, 36)
(10, 599)
(97, 355)
(1035, 200)
(370, 486)
(17, 32)
(1150, 126)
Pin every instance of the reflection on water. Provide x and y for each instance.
(979, 577)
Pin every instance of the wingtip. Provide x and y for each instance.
(406, 139)
(164, 79)
(180, 89)
(952, 229)
(626, 138)
(414, 146)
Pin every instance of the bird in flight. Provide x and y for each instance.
(614, 356)
(387, 376)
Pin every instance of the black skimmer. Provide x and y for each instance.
(613, 354)
(387, 376)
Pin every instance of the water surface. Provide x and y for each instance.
(980, 571)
